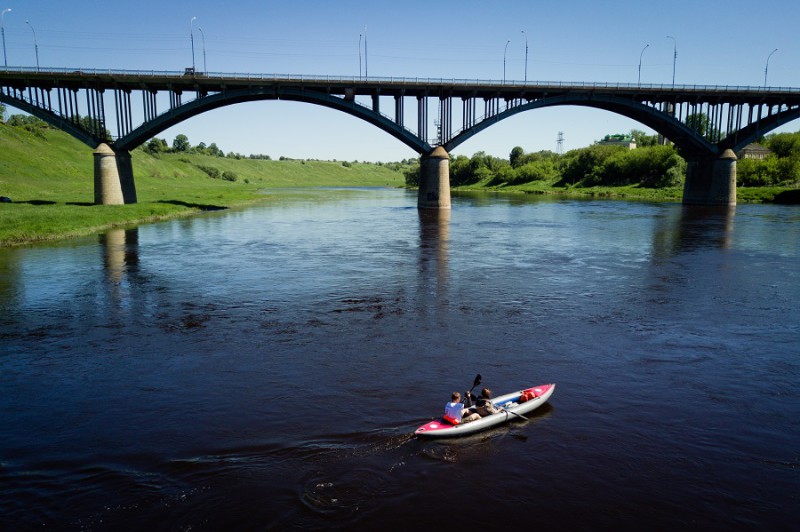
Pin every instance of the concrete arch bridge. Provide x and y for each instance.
(114, 111)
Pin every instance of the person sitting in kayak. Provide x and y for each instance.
(483, 403)
(455, 409)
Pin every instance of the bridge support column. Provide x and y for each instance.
(711, 180)
(434, 182)
(113, 177)
(107, 186)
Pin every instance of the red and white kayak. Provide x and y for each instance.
(519, 402)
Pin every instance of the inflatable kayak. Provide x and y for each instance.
(519, 402)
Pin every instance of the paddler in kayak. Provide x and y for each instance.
(455, 409)
(483, 403)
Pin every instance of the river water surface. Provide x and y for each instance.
(265, 368)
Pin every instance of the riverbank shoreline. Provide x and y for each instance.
(47, 177)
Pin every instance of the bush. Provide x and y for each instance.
(412, 175)
(652, 167)
(29, 123)
(541, 170)
(227, 175)
(583, 165)
(210, 170)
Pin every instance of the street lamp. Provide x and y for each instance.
(35, 45)
(504, 61)
(359, 54)
(366, 56)
(3, 31)
(526, 56)
(191, 37)
(674, 57)
(640, 63)
(203, 37)
(767, 67)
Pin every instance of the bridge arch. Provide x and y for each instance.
(754, 131)
(207, 103)
(688, 140)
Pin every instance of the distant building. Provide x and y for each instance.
(619, 140)
(754, 151)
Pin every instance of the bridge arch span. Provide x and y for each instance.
(687, 140)
(754, 131)
(222, 99)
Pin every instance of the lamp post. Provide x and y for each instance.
(203, 37)
(35, 45)
(639, 82)
(504, 61)
(3, 31)
(674, 57)
(526, 56)
(359, 54)
(191, 38)
(766, 68)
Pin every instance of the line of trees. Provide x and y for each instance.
(651, 166)
(779, 168)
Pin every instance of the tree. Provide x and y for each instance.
(698, 122)
(2, 113)
(784, 144)
(214, 150)
(643, 139)
(156, 145)
(516, 156)
(701, 124)
(181, 143)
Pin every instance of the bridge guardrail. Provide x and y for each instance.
(455, 82)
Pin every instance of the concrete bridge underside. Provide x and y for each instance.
(736, 116)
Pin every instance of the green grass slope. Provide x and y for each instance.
(50, 178)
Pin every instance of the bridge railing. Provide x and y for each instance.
(377, 80)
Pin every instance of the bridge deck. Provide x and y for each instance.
(387, 86)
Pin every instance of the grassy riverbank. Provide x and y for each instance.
(50, 178)
(628, 192)
(783, 195)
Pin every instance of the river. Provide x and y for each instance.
(265, 368)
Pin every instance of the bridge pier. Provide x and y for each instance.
(113, 177)
(711, 180)
(434, 180)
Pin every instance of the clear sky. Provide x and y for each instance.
(725, 43)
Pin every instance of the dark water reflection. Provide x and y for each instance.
(265, 368)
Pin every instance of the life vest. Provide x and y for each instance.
(453, 412)
(451, 420)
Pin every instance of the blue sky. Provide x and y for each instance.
(724, 43)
